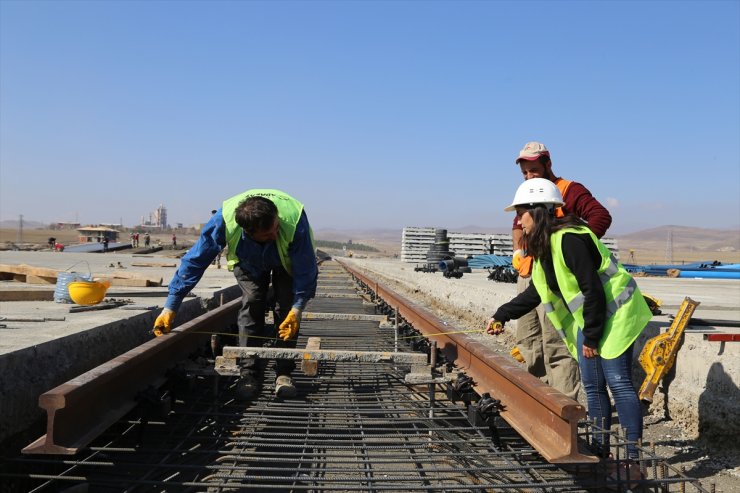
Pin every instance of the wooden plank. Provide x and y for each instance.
(25, 269)
(134, 283)
(152, 264)
(311, 367)
(130, 275)
(27, 295)
(32, 279)
(40, 275)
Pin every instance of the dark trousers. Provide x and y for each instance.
(251, 320)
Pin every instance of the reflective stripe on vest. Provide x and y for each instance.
(626, 310)
(565, 317)
(627, 293)
(616, 303)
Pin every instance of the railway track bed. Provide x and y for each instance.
(355, 425)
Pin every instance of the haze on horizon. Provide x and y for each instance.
(374, 114)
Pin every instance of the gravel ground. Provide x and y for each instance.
(468, 302)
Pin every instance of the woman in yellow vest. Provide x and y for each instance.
(594, 304)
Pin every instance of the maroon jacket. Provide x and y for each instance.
(580, 202)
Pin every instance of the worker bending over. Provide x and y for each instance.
(269, 239)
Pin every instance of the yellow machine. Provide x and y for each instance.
(659, 353)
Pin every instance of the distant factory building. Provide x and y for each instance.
(157, 219)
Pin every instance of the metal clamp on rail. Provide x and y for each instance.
(484, 413)
(461, 389)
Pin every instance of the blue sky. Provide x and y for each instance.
(374, 114)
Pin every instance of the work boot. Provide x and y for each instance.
(284, 387)
(626, 473)
(247, 385)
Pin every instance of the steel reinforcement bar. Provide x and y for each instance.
(81, 409)
(355, 423)
(546, 418)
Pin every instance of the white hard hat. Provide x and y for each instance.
(536, 191)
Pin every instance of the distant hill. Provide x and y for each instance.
(703, 237)
(394, 235)
(13, 224)
(383, 235)
(683, 238)
(650, 245)
(480, 229)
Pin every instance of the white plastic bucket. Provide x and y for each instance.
(61, 291)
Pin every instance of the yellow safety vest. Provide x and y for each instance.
(627, 313)
(289, 213)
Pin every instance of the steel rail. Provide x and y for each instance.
(360, 413)
(546, 418)
(353, 426)
(81, 409)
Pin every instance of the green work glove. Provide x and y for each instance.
(163, 324)
(289, 328)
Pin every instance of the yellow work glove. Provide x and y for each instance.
(522, 263)
(516, 260)
(163, 324)
(289, 328)
(494, 327)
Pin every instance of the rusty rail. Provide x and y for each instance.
(544, 417)
(81, 409)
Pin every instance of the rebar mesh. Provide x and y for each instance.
(353, 427)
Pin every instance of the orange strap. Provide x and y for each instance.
(562, 185)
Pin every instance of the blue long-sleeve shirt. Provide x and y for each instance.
(255, 258)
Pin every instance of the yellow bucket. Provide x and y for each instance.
(88, 292)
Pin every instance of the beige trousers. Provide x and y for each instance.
(544, 352)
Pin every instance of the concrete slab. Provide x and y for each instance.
(24, 334)
(37, 356)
